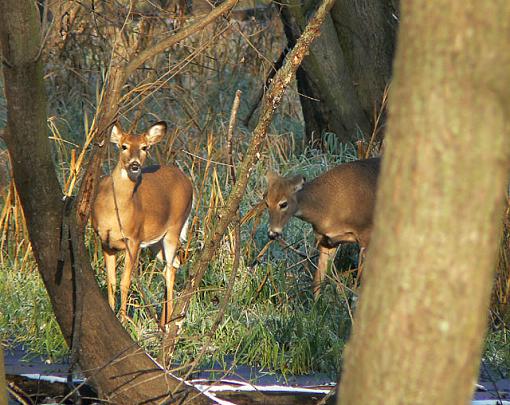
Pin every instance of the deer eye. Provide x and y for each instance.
(283, 205)
(124, 147)
(144, 148)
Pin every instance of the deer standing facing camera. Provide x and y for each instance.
(339, 204)
(138, 207)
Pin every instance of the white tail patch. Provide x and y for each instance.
(184, 231)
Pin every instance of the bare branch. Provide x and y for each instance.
(272, 100)
(173, 39)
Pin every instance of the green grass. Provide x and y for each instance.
(26, 317)
(278, 327)
(497, 353)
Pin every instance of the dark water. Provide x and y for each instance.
(17, 363)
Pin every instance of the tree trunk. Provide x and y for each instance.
(419, 328)
(119, 368)
(343, 79)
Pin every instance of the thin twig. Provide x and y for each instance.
(205, 159)
(230, 134)
(258, 98)
(237, 241)
(174, 39)
(326, 397)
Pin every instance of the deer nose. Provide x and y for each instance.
(134, 167)
(274, 235)
(134, 171)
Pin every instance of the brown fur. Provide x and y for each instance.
(339, 204)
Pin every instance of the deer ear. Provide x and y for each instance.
(116, 134)
(271, 177)
(297, 182)
(156, 132)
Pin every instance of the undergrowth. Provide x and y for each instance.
(271, 321)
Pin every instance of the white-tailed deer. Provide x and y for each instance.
(339, 204)
(139, 207)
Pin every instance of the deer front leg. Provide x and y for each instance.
(325, 254)
(111, 276)
(170, 243)
(132, 250)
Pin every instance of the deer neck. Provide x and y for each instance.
(123, 187)
(307, 206)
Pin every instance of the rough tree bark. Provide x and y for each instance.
(343, 79)
(419, 328)
(122, 371)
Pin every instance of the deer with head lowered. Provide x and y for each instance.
(138, 207)
(339, 204)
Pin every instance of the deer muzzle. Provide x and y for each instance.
(274, 235)
(134, 171)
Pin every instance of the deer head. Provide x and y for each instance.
(133, 148)
(281, 201)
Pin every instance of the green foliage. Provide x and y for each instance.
(26, 317)
(496, 354)
(277, 327)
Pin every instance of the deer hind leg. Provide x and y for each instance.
(158, 251)
(325, 254)
(361, 263)
(132, 251)
(170, 243)
(111, 276)
(363, 241)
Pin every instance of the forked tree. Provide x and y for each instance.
(419, 328)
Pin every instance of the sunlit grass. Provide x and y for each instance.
(26, 317)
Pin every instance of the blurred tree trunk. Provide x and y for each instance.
(418, 332)
(119, 368)
(343, 79)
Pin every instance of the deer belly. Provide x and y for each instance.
(152, 241)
